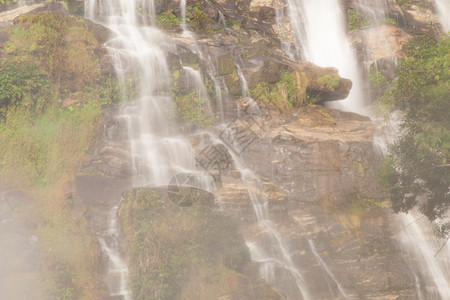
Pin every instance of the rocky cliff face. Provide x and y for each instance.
(317, 165)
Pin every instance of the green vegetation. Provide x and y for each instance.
(22, 84)
(417, 165)
(286, 94)
(191, 104)
(390, 21)
(196, 17)
(72, 6)
(36, 146)
(186, 249)
(236, 24)
(329, 82)
(377, 78)
(359, 206)
(168, 20)
(60, 44)
(8, 2)
(51, 97)
(191, 108)
(357, 20)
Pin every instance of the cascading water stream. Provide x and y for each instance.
(327, 270)
(443, 11)
(158, 151)
(118, 271)
(419, 244)
(322, 39)
(183, 14)
(193, 46)
(267, 246)
(420, 248)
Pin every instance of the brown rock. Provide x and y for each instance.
(381, 43)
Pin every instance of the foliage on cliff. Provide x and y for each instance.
(189, 251)
(51, 96)
(417, 168)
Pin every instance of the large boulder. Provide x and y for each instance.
(317, 155)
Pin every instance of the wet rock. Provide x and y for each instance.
(226, 65)
(309, 80)
(387, 42)
(100, 32)
(110, 156)
(319, 155)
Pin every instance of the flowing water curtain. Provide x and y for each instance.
(420, 247)
(320, 31)
(443, 11)
(158, 151)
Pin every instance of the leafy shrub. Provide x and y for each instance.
(196, 16)
(284, 95)
(168, 20)
(357, 20)
(22, 83)
(191, 109)
(377, 78)
(390, 21)
(177, 241)
(329, 81)
(417, 163)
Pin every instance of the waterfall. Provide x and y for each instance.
(327, 270)
(267, 246)
(117, 271)
(319, 28)
(420, 248)
(443, 11)
(375, 10)
(183, 13)
(158, 151)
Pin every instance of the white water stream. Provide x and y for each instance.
(267, 246)
(422, 250)
(158, 151)
(117, 270)
(443, 11)
(320, 33)
(327, 271)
